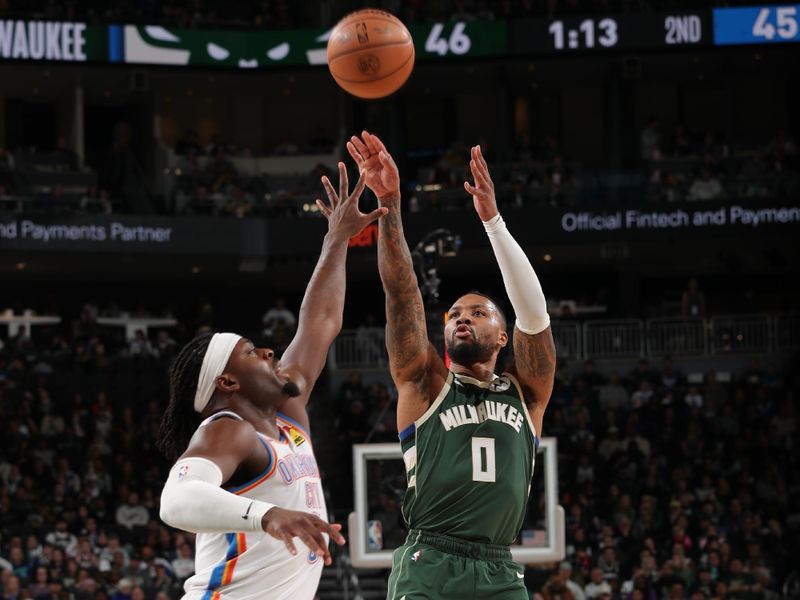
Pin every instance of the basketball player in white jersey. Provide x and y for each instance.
(248, 482)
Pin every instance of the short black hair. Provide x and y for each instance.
(493, 301)
(180, 418)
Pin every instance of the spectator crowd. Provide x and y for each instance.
(675, 485)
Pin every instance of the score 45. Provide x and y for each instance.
(786, 23)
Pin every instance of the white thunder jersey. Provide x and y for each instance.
(244, 566)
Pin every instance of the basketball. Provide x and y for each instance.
(370, 53)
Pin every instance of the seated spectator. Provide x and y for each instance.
(286, 147)
(216, 144)
(140, 345)
(183, 565)
(239, 203)
(693, 301)
(671, 377)
(650, 140)
(598, 586)
(665, 188)
(680, 144)
(62, 538)
(754, 177)
(132, 514)
(278, 317)
(613, 394)
(706, 187)
(560, 183)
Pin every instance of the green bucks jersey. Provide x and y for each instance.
(469, 461)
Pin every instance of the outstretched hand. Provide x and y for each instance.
(343, 214)
(483, 191)
(285, 525)
(372, 158)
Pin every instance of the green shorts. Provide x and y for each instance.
(438, 567)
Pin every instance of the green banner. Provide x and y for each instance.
(157, 45)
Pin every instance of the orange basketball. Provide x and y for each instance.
(370, 53)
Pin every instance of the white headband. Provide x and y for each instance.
(217, 355)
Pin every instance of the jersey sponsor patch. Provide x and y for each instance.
(416, 555)
(183, 471)
(295, 435)
(312, 557)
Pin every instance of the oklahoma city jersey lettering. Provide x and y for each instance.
(245, 566)
(469, 461)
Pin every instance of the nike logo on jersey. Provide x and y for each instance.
(247, 512)
(488, 410)
(520, 575)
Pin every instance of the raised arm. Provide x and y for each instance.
(320, 318)
(534, 349)
(415, 365)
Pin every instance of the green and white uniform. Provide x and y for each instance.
(469, 462)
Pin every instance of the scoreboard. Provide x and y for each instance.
(37, 40)
(656, 31)
(613, 32)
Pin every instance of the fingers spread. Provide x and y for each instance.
(326, 183)
(377, 214)
(326, 212)
(359, 189)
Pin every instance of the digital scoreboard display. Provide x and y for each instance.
(756, 25)
(626, 32)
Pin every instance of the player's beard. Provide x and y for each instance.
(290, 389)
(467, 353)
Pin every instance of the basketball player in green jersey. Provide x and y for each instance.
(469, 436)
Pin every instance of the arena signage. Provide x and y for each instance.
(132, 234)
(156, 45)
(232, 49)
(537, 225)
(51, 41)
(681, 218)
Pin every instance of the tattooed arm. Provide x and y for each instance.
(534, 350)
(415, 365)
(535, 367)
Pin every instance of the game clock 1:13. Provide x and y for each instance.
(628, 32)
(588, 34)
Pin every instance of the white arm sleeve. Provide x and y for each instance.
(522, 285)
(193, 500)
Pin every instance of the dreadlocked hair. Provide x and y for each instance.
(180, 419)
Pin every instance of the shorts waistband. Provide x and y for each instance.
(453, 545)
